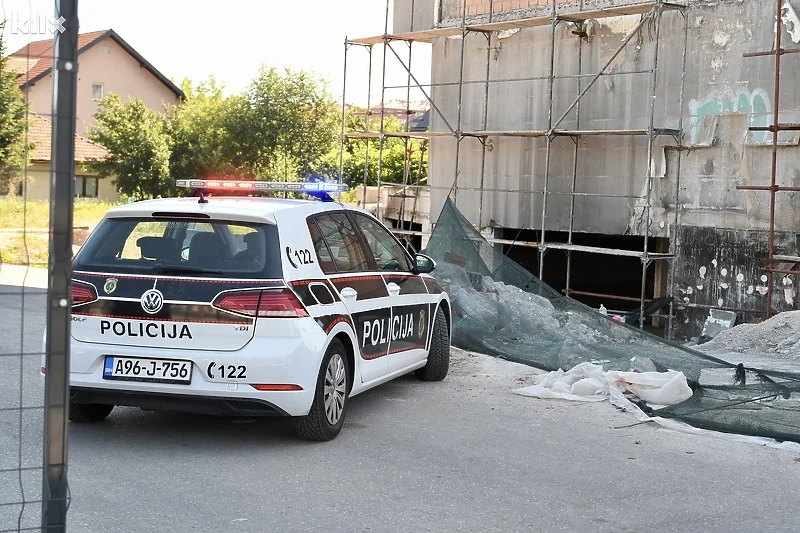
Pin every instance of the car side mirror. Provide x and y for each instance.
(424, 264)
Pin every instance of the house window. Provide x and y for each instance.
(97, 91)
(86, 187)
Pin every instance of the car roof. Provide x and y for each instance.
(247, 208)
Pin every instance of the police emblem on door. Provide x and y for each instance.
(152, 301)
(110, 285)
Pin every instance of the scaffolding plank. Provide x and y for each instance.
(605, 251)
(427, 36)
(509, 133)
(400, 134)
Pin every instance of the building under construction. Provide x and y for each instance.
(629, 153)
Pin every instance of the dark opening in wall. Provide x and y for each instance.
(591, 272)
(413, 243)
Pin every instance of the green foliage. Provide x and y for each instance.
(283, 124)
(139, 143)
(284, 127)
(359, 154)
(13, 152)
(200, 142)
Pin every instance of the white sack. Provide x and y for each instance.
(588, 382)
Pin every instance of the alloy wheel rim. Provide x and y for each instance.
(335, 389)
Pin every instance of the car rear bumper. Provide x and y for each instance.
(273, 360)
(186, 403)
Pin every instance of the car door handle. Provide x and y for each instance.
(393, 287)
(349, 293)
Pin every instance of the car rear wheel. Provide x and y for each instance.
(88, 412)
(439, 354)
(326, 417)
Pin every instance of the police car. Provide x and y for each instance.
(249, 306)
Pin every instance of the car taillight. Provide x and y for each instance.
(83, 293)
(262, 304)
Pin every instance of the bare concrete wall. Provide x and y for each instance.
(724, 94)
(413, 15)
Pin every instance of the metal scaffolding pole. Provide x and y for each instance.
(344, 111)
(551, 80)
(55, 486)
(581, 32)
(485, 115)
(382, 139)
(674, 245)
(649, 177)
(460, 97)
(407, 154)
(366, 141)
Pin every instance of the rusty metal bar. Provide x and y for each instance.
(782, 271)
(460, 101)
(609, 296)
(779, 52)
(775, 188)
(780, 127)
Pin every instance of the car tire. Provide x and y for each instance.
(326, 417)
(439, 354)
(83, 413)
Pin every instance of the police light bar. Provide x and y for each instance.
(273, 186)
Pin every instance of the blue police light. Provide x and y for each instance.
(317, 189)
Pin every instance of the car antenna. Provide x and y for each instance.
(202, 199)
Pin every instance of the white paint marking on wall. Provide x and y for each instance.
(714, 262)
(788, 290)
(699, 287)
(702, 272)
(689, 290)
(724, 272)
(764, 278)
(721, 39)
(761, 290)
(792, 21)
(750, 289)
(723, 285)
(685, 299)
(739, 277)
(720, 302)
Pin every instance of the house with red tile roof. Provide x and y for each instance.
(106, 64)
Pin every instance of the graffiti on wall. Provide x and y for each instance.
(755, 104)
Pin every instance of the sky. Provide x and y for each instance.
(232, 39)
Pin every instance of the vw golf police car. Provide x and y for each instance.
(249, 306)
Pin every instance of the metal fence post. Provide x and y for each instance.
(55, 489)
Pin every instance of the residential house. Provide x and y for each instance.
(37, 174)
(107, 64)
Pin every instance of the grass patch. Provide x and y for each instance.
(15, 249)
(32, 249)
(16, 213)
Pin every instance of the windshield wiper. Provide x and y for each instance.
(166, 269)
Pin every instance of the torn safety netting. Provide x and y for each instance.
(499, 308)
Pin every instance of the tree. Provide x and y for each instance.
(139, 146)
(282, 122)
(198, 128)
(13, 114)
(395, 156)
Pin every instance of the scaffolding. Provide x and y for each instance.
(775, 128)
(650, 12)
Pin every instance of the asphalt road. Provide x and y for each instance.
(465, 454)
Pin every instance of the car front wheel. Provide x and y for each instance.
(439, 354)
(326, 417)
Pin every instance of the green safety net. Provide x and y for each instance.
(499, 308)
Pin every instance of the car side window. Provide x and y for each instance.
(388, 253)
(324, 257)
(343, 242)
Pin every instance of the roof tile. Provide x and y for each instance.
(39, 132)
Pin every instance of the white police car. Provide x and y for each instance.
(249, 306)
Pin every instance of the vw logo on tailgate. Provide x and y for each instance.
(152, 301)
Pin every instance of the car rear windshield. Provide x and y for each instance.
(183, 247)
